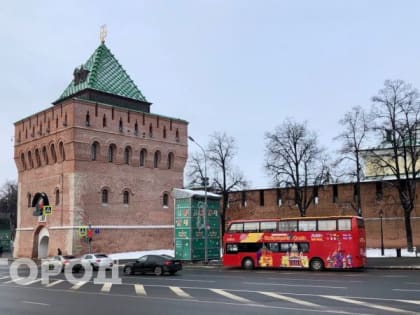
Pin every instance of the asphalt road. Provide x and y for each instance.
(216, 290)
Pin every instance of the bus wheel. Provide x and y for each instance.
(248, 264)
(316, 264)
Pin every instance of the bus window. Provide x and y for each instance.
(231, 248)
(268, 226)
(307, 225)
(327, 225)
(285, 247)
(344, 224)
(303, 247)
(236, 227)
(251, 226)
(249, 247)
(274, 247)
(285, 226)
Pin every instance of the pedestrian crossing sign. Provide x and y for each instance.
(47, 210)
(83, 231)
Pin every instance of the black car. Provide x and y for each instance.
(158, 264)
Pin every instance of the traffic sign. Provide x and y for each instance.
(47, 210)
(82, 231)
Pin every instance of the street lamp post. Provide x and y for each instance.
(381, 215)
(205, 199)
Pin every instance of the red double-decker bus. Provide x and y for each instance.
(336, 242)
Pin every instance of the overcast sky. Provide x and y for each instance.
(239, 67)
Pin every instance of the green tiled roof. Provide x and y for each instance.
(105, 74)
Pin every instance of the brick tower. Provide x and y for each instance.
(104, 161)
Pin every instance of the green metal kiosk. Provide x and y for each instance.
(191, 213)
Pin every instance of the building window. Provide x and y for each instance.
(262, 198)
(151, 131)
(45, 155)
(112, 113)
(104, 121)
(53, 154)
(128, 116)
(111, 153)
(165, 200)
(279, 198)
(65, 120)
(164, 132)
(56, 123)
(120, 125)
(57, 197)
(87, 119)
(143, 156)
(170, 160)
(316, 198)
(94, 151)
(31, 162)
(136, 128)
(127, 155)
(22, 160)
(126, 197)
(379, 191)
(29, 200)
(243, 202)
(177, 135)
(96, 110)
(48, 126)
(104, 196)
(62, 152)
(156, 159)
(335, 194)
(37, 158)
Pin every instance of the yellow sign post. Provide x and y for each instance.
(47, 210)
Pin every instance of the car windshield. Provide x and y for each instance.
(101, 256)
(167, 256)
(69, 257)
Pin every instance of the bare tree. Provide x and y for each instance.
(353, 138)
(8, 203)
(226, 178)
(396, 110)
(195, 170)
(295, 160)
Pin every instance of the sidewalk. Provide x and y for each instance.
(405, 263)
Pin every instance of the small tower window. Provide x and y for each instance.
(136, 128)
(29, 200)
(120, 125)
(104, 196)
(177, 135)
(164, 132)
(335, 194)
(96, 110)
(53, 154)
(62, 152)
(104, 121)
(45, 155)
(22, 160)
(151, 131)
(127, 155)
(57, 197)
(170, 160)
(143, 155)
(156, 159)
(94, 151)
(87, 119)
(126, 197)
(111, 153)
(261, 198)
(165, 200)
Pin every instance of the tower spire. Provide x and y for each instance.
(103, 33)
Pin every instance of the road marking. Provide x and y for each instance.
(106, 287)
(366, 304)
(289, 299)
(14, 280)
(36, 303)
(2, 278)
(230, 296)
(294, 285)
(406, 290)
(181, 293)
(49, 285)
(32, 282)
(78, 285)
(140, 289)
(409, 301)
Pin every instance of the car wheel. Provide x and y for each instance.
(316, 264)
(158, 271)
(128, 270)
(248, 264)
